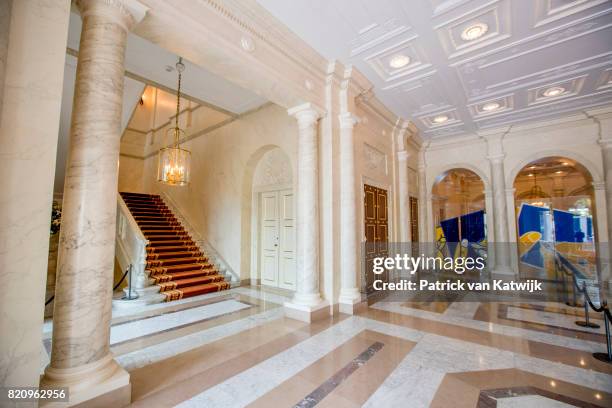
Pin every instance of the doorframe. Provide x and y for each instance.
(361, 217)
(256, 226)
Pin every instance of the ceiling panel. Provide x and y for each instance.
(479, 63)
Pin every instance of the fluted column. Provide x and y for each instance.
(307, 296)
(502, 259)
(80, 355)
(404, 210)
(349, 238)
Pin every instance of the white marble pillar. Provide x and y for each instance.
(606, 250)
(404, 205)
(500, 215)
(32, 52)
(80, 355)
(423, 234)
(490, 228)
(349, 236)
(307, 299)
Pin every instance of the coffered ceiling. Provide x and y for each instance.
(457, 66)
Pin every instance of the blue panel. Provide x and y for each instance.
(473, 226)
(450, 228)
(566, 227)
(530, 219)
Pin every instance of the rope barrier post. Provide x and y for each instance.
(574, 301)
(130, 296)
(586, 322)
(606, 357)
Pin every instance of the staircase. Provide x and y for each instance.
(174, 261)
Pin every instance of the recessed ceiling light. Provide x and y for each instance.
(530, 175)
(565, 163)
(474, 31)
(399, 61)
(491, 106)
(554, 91)
(440, 119)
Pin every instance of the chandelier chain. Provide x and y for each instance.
(179, 69)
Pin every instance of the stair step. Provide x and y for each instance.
(174, 255)
(140, 195)
(159, 224)
(164, 232)
(166, 277)
(182, 283)
(173, 243)
(176, 261)
(189, 291)
(171, 248)
(157, 239)
(197, 266)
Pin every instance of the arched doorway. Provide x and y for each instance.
(555, 214)
(459, 217)
(273, 220)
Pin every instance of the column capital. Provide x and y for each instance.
(403, 155)
(510, 191)
(496, 158)
(126, 13)
(605, 143)
(347, 120)
(598, 185)
(306, 114)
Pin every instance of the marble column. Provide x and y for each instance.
(32, 56)
(490, 221)
(307, 299)
(404, 205)
(349, 236)
(422, 199)
(80, 355)
(606, 250)
(500, 215)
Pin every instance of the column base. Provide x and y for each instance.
(307, 313)
(349, 301)
(102, 383)
(503, 271)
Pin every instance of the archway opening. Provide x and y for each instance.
(459, 217)
(555, 214)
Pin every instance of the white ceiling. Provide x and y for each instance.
(150, 62)
(530, 46)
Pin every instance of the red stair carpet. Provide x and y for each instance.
(178, 266)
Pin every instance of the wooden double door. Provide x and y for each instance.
(376, 232)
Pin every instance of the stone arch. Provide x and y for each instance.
(246, 212)
(588, 165)
(458, 166)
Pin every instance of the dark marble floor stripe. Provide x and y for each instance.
(332, 383)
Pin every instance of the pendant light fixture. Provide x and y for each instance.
(174, 165)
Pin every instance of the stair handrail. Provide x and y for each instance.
(130, 245)
(196, 236)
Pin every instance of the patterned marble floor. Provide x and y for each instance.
(236, 349)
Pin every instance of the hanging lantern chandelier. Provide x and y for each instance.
(174, 165)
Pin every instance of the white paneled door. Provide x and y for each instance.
(277, 261)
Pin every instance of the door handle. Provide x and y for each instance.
(275, 245)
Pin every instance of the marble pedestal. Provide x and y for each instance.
(102, 383)
(307, 313)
